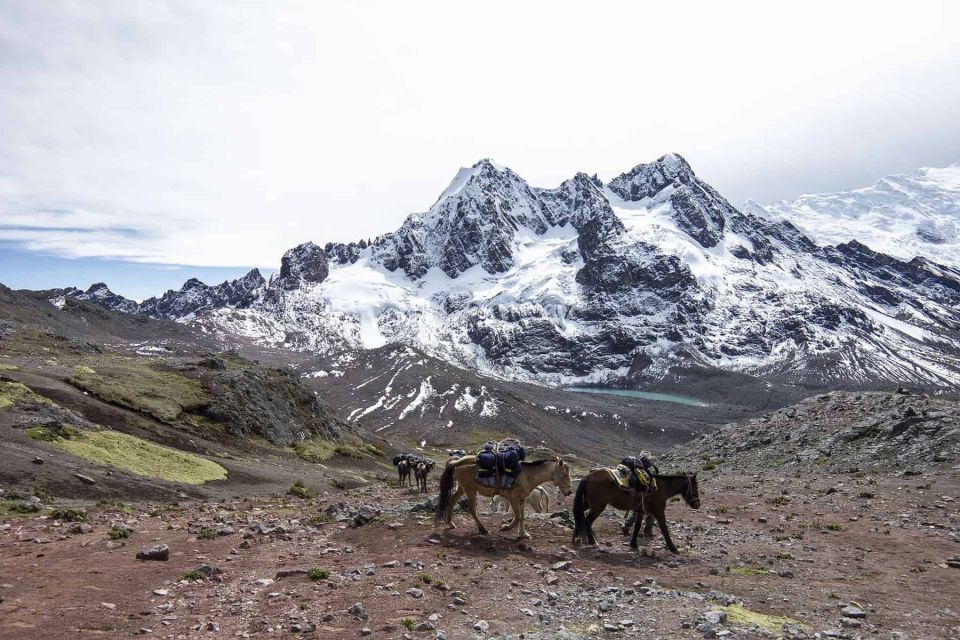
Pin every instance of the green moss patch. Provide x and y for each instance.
(140, 457)
(14, 510)
(8, 367)
(165, 395)
(13, 392)
(314, 449)
(740, 617)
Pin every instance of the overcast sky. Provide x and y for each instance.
(220, 134)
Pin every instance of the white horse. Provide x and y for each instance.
(539, 501)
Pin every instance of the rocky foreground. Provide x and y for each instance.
(777, 554)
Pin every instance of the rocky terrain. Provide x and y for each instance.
(900, 432)
(771, 553)
(635, 283)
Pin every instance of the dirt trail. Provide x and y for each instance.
(781, 546)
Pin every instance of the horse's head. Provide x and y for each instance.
(691, 495)
(561, 477)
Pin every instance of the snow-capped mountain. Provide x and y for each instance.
(901, 215)
(644, 279)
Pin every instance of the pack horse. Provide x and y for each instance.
(462, 473)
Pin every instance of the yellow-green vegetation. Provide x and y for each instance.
(191, 576)
(299, 490)
(119, 533)
(408, 623)
(740, 617)
(8, 367)
(314, 449)
(425, 578)
(347, 451)
(374, 450)
(82, 368)
(13, 392)
(318, 574)
(133, 455)
(835, 526)
(114, 505)
(135, 384)
(207, 534)
(69, 515)
(13, 510)
(710, 465)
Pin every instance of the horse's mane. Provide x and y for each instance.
(536, 463)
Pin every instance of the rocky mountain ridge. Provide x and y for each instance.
(901, 215)
(635, 282)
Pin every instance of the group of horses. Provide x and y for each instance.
(597, 490)
(416, 467)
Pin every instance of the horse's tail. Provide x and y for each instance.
(579, 512)
(446, 493)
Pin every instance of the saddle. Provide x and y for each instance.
(636, 473)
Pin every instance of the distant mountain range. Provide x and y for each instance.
(651, 277)
(901, 215)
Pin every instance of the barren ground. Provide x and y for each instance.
(880, 541)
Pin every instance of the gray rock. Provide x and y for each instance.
(85, 479)
(853, 611)
(159, 552)
(357, 610)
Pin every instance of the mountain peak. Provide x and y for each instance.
(305, 263)
(646, 180)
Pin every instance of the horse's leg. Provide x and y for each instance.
(638, 518)
(522, 517)
(662, 521)
(516, 507)
(453, 503)
(592, 515)
(628, 517)
(648, 523)
(472, 503)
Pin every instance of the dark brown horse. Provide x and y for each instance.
(421, 471)
(598, 489)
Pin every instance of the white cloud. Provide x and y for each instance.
(223, 133)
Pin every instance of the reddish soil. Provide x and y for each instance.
(801, 559)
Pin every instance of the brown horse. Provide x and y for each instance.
(463, 471)
(421, 471)
(598, 489)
